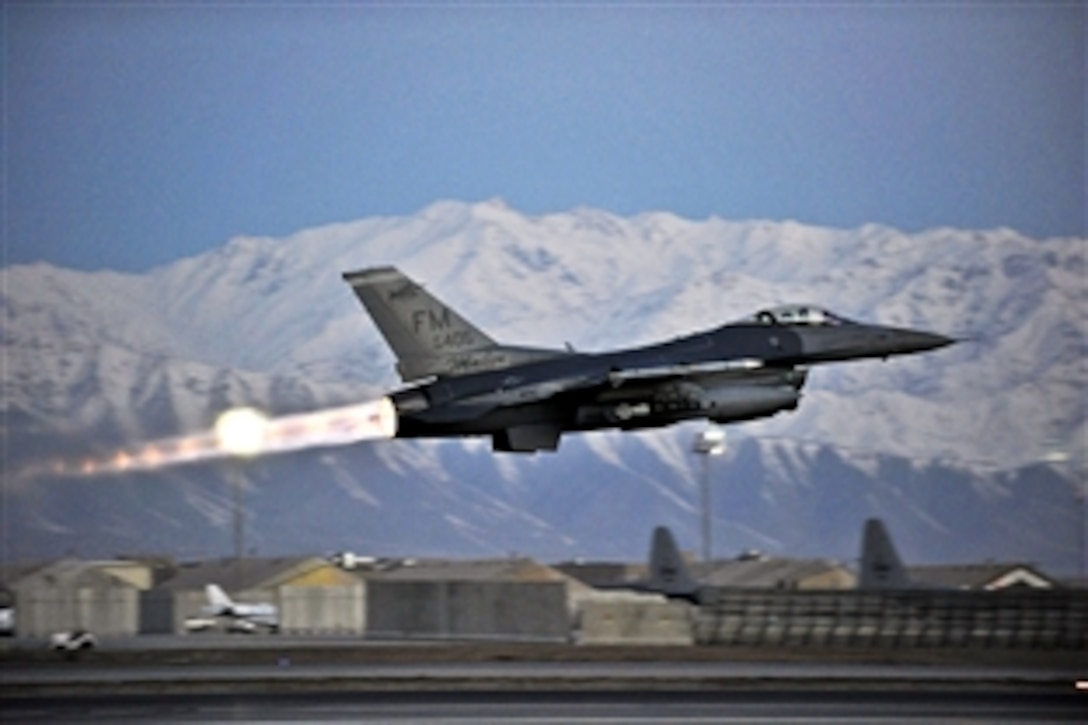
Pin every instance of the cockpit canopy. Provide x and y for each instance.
(809, 315)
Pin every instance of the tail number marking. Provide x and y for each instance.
(439, 325)
(435, 322)
(456, 339)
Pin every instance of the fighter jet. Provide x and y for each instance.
(464, 383)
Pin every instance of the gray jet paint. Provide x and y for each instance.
(467, 384)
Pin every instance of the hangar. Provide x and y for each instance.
(314, 596)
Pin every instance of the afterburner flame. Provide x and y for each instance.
(241, 431)
(246, 432)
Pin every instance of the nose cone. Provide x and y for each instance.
(904, 342)
(852, 342)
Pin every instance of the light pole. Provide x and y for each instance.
(1060, 460)
(710, 442)
(240, 432)
(237, 479)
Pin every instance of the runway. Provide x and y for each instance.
(887, 707)
(279, 672)
(269, 681)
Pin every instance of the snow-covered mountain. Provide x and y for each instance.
(958, 449)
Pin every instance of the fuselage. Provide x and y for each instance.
(467, 383)
(594, 394)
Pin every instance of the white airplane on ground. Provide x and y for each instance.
(244, 617)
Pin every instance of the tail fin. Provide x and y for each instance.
(881, 567)
(669, 572)
(218, 598)
(428, 337)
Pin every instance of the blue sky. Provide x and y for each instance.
(138, 134)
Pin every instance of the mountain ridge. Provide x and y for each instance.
(95, 360)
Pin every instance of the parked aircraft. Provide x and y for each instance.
(669, 573)
(467, 384)
(881, 567)
(243, 617)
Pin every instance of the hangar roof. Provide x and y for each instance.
(518, 569)
(765, 572)
(251, 573)
(992, 575)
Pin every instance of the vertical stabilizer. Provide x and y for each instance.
(218, 599)
(428, 337)
(669, 572)
(881, 567)
(418, 327)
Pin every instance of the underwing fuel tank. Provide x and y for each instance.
(684, 401)
(737, 403)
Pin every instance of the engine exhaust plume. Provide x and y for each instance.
(246, 433)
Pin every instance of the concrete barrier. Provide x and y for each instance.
(1036, 619)
(629, 622)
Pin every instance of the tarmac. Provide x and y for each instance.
(554, 707)
(194, 664)
(278, 679)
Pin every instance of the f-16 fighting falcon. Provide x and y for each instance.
(467, 384)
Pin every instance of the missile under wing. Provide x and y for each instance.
(524, 398)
